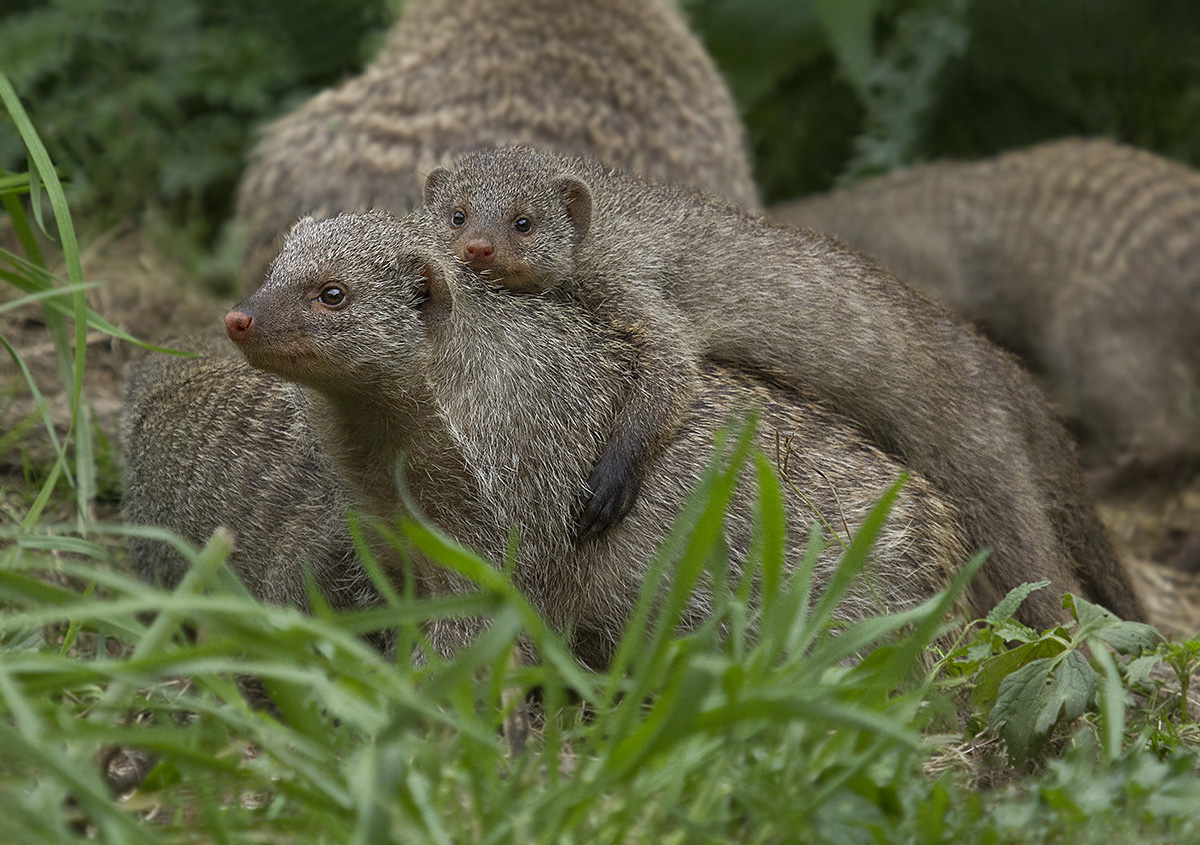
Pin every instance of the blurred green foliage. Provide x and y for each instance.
(837, 89)
(148, 104)
(143, 102)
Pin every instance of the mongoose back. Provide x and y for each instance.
(921, 384)
(496, 405)
(624, 81)
(1081, 255)
(211, 442)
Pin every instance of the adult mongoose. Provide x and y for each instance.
(622, 80)
(920, 383)
(1080, 255)
(495, 406)
(211, 442)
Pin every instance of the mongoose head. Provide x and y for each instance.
(511, 214)
(347, 305)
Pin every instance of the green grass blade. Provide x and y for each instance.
(44, 170)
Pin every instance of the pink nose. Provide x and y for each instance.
(239, 326)
(478, 252)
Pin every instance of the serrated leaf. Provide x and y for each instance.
(1038, 696)
(1009, 604)
(1130, 637)
(1091, 617)
(1011, 629)
(983, 645)
(1138, 671)
(995, 671)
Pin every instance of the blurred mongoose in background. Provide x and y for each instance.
(624, 81)
(496, 406)
(920, 384)
(210, 442)
(1083, 256)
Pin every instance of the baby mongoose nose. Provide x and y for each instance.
(478, 252)
(238, 325)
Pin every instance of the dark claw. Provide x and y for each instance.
(614, 486)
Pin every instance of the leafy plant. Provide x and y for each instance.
(1054, 677)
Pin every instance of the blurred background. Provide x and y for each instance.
(149, 107)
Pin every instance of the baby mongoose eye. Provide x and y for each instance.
(457, 218)
(523, 225)
(332, 295)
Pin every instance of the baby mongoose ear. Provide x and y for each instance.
(433, 181)
(303, 224)
(439, 300)
(577, 203)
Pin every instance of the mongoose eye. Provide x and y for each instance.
(332, 296)
(457, 218)
(523, 225)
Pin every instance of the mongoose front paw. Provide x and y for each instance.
(614, 486)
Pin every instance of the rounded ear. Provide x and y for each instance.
(439, 298)
(577, 203)
(300, 225)
(434, 180)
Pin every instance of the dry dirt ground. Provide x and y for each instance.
(1155, 526)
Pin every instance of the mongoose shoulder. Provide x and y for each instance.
(622, 80)
(1080, 255)
(496, 405)
(920, 383)
(212, 442)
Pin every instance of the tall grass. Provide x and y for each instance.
(251, 723)
(717, 733)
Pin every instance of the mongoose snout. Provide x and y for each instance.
(239, 326)
(478, 254)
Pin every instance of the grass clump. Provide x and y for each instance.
(736, 737)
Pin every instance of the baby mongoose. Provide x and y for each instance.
(1081, 255)
(527, 243)
(495, 406)
(622, 80)
(210, 442)
(922, 385)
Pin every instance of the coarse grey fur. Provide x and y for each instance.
(524, 237)
(622, 80)
(921, 384)
(497, 404)
(1081, 255)
(212, 442)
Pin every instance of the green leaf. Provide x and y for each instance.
(995, 671)
(1112, 704)
(1011, 629)
(1009, 604)
(1038, 696)
(1130, 637)
(1138, 671)
(1096, 621)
